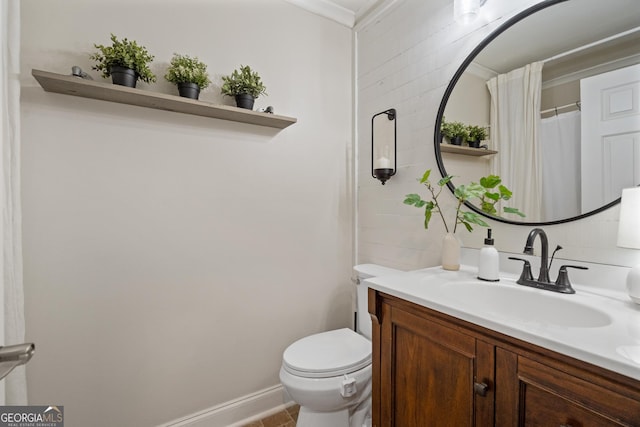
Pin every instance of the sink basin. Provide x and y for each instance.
(525, 305)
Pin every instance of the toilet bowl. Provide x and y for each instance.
(329, 374)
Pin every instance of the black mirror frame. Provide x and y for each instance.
(438, 136)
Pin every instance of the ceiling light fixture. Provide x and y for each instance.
(466, 11)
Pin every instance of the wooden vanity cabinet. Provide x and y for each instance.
(431, 369)
(425, 369)
(549, 396)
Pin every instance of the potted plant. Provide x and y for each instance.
(476, 134)
(189, 74)
(125, 61)
(245, 85)
(456, 132)
(445, 129)
(489, 191)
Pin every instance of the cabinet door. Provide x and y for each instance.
(428, 372)
(550, 397)
(544, 407)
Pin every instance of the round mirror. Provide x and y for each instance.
(553, 96)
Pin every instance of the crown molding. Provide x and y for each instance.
(328, 10)
(481, 71)
(376, 10)
(592, 71)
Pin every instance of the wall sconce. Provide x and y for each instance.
(629, 235)
(466, 11)
(383, 145)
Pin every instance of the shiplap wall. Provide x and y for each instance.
(405, 61)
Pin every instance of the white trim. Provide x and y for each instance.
(592, 71)
(376, 12)
(327, 9)
(355, 164)
(237, 412)
(594, 44)
(366, 14)
(481, 71)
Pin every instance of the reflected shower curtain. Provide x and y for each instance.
(560, 149)
(13, 389)
(515, 121)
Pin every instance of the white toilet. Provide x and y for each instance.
(329, 374)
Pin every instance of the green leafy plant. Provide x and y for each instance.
(477, 133)
(445, 128)
(243, 80)
(185, 69)
(126, 54)
(454, 129)
(489, 191)
(495, 192)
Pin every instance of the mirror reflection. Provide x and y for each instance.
(558, 92)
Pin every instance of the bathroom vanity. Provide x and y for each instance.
(450, 350)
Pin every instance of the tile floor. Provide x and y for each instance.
(285, 418)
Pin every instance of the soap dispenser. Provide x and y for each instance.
(488, 265)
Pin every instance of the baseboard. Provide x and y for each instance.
(238, 412)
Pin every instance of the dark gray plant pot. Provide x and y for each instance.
(244, 100)
(474, 144)
(456, 140)
(123, 76)
(189, 90)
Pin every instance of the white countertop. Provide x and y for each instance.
(610, 338)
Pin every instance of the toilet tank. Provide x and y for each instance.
(363, 272)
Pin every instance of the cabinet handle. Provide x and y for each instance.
(481, 389)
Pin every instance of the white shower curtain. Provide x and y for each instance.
(560, 149)
(515, 121)
(13, 389)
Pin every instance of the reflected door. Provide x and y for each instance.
(610, 159)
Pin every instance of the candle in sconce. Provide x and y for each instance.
(382, 163)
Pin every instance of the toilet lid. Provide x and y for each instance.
(328, 354)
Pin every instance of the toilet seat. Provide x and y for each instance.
(327, 354)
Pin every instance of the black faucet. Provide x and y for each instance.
(562, 284)
(544, 258)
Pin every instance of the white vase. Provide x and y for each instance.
(450, 252)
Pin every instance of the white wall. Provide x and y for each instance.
(405, 61)
(169, 259)
(470, 104)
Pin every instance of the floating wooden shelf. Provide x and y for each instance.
(467, 151)
(71, 85)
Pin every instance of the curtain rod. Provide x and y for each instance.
(576, 104)
(590, 45)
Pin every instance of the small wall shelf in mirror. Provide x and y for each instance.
(466, 151)
(71, 85)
